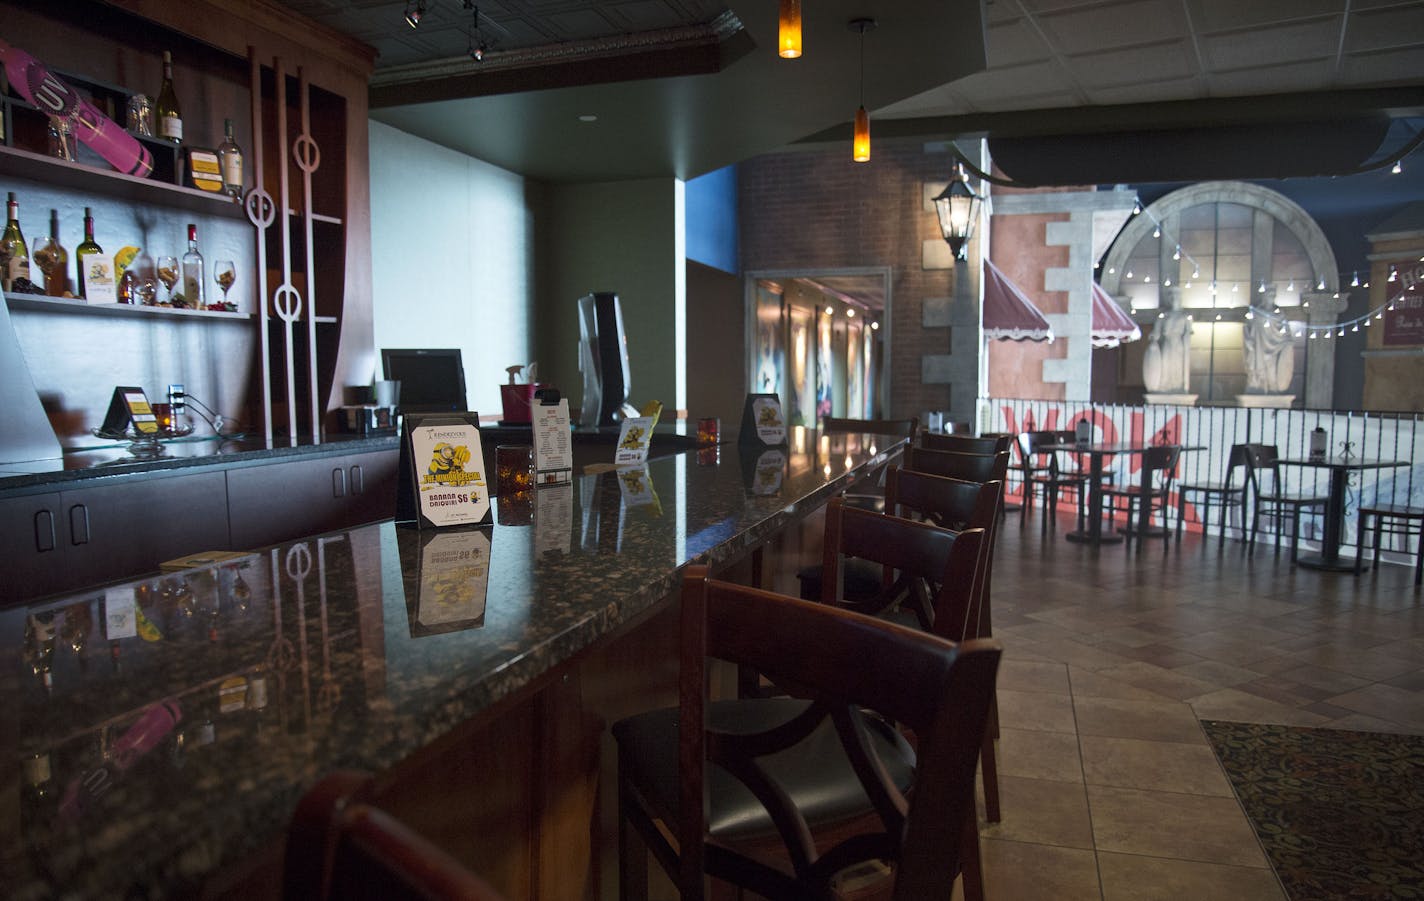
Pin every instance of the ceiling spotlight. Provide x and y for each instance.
(413, 14)
(477, 53)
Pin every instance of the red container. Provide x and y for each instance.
(517, 401)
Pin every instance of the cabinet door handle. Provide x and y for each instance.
(44, 531)
(78, 524)
(358, 482)
(338, 482)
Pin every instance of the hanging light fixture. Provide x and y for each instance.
(414, 13)
(860, 147)
(789, 36)
(958, 209)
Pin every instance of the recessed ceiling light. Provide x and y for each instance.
(588, 117)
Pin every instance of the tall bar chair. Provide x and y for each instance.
(1273, 498)
(1153, 491)
(1225, 495)
(869, 492)
(964, 444)
(341, 847)
(781, 796)
(1391, 519)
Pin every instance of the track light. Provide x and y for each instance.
(413, 14)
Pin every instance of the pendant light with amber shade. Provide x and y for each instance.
(860, 146)
(788, 39)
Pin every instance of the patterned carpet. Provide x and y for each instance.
(1341, 814)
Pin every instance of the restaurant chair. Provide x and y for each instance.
(1391, 519)
(1225, 494)
(965, 444)
(340, 846)
(957, 465)
(783, 796)
(1272, 497)
(1153, 491)
(1044, 473)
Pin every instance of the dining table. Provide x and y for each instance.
(1097, 453)
(1340, 466)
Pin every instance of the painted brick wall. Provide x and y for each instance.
(1019, 249)
(817, 209)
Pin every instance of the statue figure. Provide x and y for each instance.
(1269, 360)
(1167, 364)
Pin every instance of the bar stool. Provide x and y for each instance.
(781, 796)
(1391, 519)
(869, 493)
(965, 444)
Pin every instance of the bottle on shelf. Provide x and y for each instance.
(14, 253)
(192, 272)
(230, 160)
(53, 260)
(85, 249)
(167, 110)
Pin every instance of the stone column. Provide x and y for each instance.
(1324, 309)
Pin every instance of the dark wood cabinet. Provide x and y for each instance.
(30, 535)
(280, 502)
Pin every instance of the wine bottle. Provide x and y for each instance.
(53, 260)
(14, 254)
(192, 272)
(170, 114)
(230, 159)
(86, 248)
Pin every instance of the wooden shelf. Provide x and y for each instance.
(46, 304)
(38, 167)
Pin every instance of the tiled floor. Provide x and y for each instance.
(1109, 788)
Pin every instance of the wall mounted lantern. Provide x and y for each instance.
(958, 209)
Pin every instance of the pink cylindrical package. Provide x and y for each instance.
(49, 92)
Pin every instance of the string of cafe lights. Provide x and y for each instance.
(1412, 280)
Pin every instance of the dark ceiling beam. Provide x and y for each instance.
(1394, 103)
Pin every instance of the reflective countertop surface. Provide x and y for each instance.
(156, 731)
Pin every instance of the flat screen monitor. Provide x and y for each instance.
(431, 380)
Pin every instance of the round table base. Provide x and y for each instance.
(1082, 536)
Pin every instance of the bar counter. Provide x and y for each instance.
(158, 732)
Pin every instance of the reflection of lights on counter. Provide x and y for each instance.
(873, 451)
(849, 462)
(798, 439)
(827, 470)
(825, 445)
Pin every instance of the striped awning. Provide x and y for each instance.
(1111, 326)
(1008, 313)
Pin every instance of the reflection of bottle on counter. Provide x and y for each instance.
(39, 646)
(147, 733)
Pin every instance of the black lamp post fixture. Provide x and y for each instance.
(958, 209)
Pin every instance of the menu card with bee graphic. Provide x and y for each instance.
(763, 422)
(635, 435)
(442, 477)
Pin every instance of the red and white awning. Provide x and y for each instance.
(1111, 326)
(1008, 313)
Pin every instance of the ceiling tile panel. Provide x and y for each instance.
(1037, 7)
(1389, 67)
(1311, 75)
(1115, 25)
(644, 15)
(1247, 49)
(1400, 26)
(1226, 15)
(1014, 44)
(945, 100)
(581, 23)
(1148, 92)
(1157, 63)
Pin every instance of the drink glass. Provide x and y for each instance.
(168, 274)
(224, 273)
(514, 468)
(708, 430)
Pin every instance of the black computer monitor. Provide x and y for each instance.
(431, 380)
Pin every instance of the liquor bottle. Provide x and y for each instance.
(14, 254)
(192, 272)
(86, 248)
(230, 160)
(53, 259)
(170, 115)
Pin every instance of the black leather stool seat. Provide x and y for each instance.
(860, 581)
(814, 773)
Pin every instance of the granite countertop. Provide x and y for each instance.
(115, 460)
(160, 730)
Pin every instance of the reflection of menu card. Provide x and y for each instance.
(454, 579)
(553, 450)
(769, 471)
(443, 454)
(763, 422)
(636, 487)
(554, 518)
(120, 614)
(633, 439)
